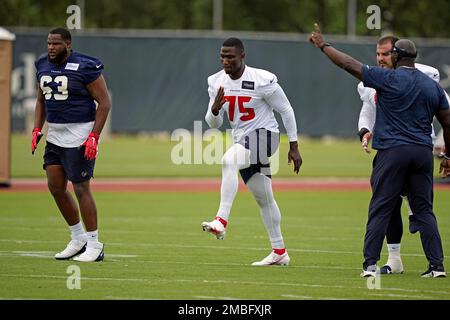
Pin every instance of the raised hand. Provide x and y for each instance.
(218, 101)
(316, 37)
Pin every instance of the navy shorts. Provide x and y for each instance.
(73, 161)
(263, 144)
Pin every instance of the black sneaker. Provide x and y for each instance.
(385, 269)
(434, 272)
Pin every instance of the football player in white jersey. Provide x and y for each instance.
(365, 126)
(249, 96)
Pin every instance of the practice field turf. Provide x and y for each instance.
(150, 156)
(155, 249)
(144, 156)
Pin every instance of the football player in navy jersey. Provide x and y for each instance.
(69, 85)
(407, 100)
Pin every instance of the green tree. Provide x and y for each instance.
(423, 18)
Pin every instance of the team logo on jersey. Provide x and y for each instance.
(72, 66)
(249, 85)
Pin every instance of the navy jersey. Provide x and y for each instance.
(67, 99)
(407, 102)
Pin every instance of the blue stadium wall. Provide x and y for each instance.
(158, 81)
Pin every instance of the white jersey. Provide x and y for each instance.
(368, 110)
(250, 101)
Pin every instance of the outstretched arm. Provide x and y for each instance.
(339, 58)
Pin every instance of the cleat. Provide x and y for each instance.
(92, 254)
(274, 259)
(74, 247)
(434, 272)
(215, 227)
(392, 267)
(370, 271)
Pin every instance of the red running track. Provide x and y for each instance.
(202, 185)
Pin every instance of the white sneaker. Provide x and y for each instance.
(434, 272)
(93, 253)
(74, 248)
(370, 271)
(392, 266)
(274, 259)
(215, 227)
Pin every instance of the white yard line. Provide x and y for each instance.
(390, 295)
(128, 298)
(190, 234)
(215, 282)
(293, 296)
(220, 247)
(216, 298)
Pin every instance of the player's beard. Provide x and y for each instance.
(60, 57)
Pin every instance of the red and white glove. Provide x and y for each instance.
(35, 137)
(91, 146)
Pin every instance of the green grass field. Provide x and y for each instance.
(147, 157)
(155, 248)
(125, 156)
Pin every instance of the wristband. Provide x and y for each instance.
(326, 44)
(362, 132)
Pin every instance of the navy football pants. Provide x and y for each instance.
(394, 169)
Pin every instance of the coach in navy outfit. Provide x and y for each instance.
(407, 102)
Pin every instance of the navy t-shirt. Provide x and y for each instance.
(407, 102)
(67, 99)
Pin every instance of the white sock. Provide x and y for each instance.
(261, 188)
(92, 237)
(77, 232)
(394, 251)
(235, 159)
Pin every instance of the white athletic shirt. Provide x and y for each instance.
(368, 110)
(251, 100)
(69, 135)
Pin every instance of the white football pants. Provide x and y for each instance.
(236, 158)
